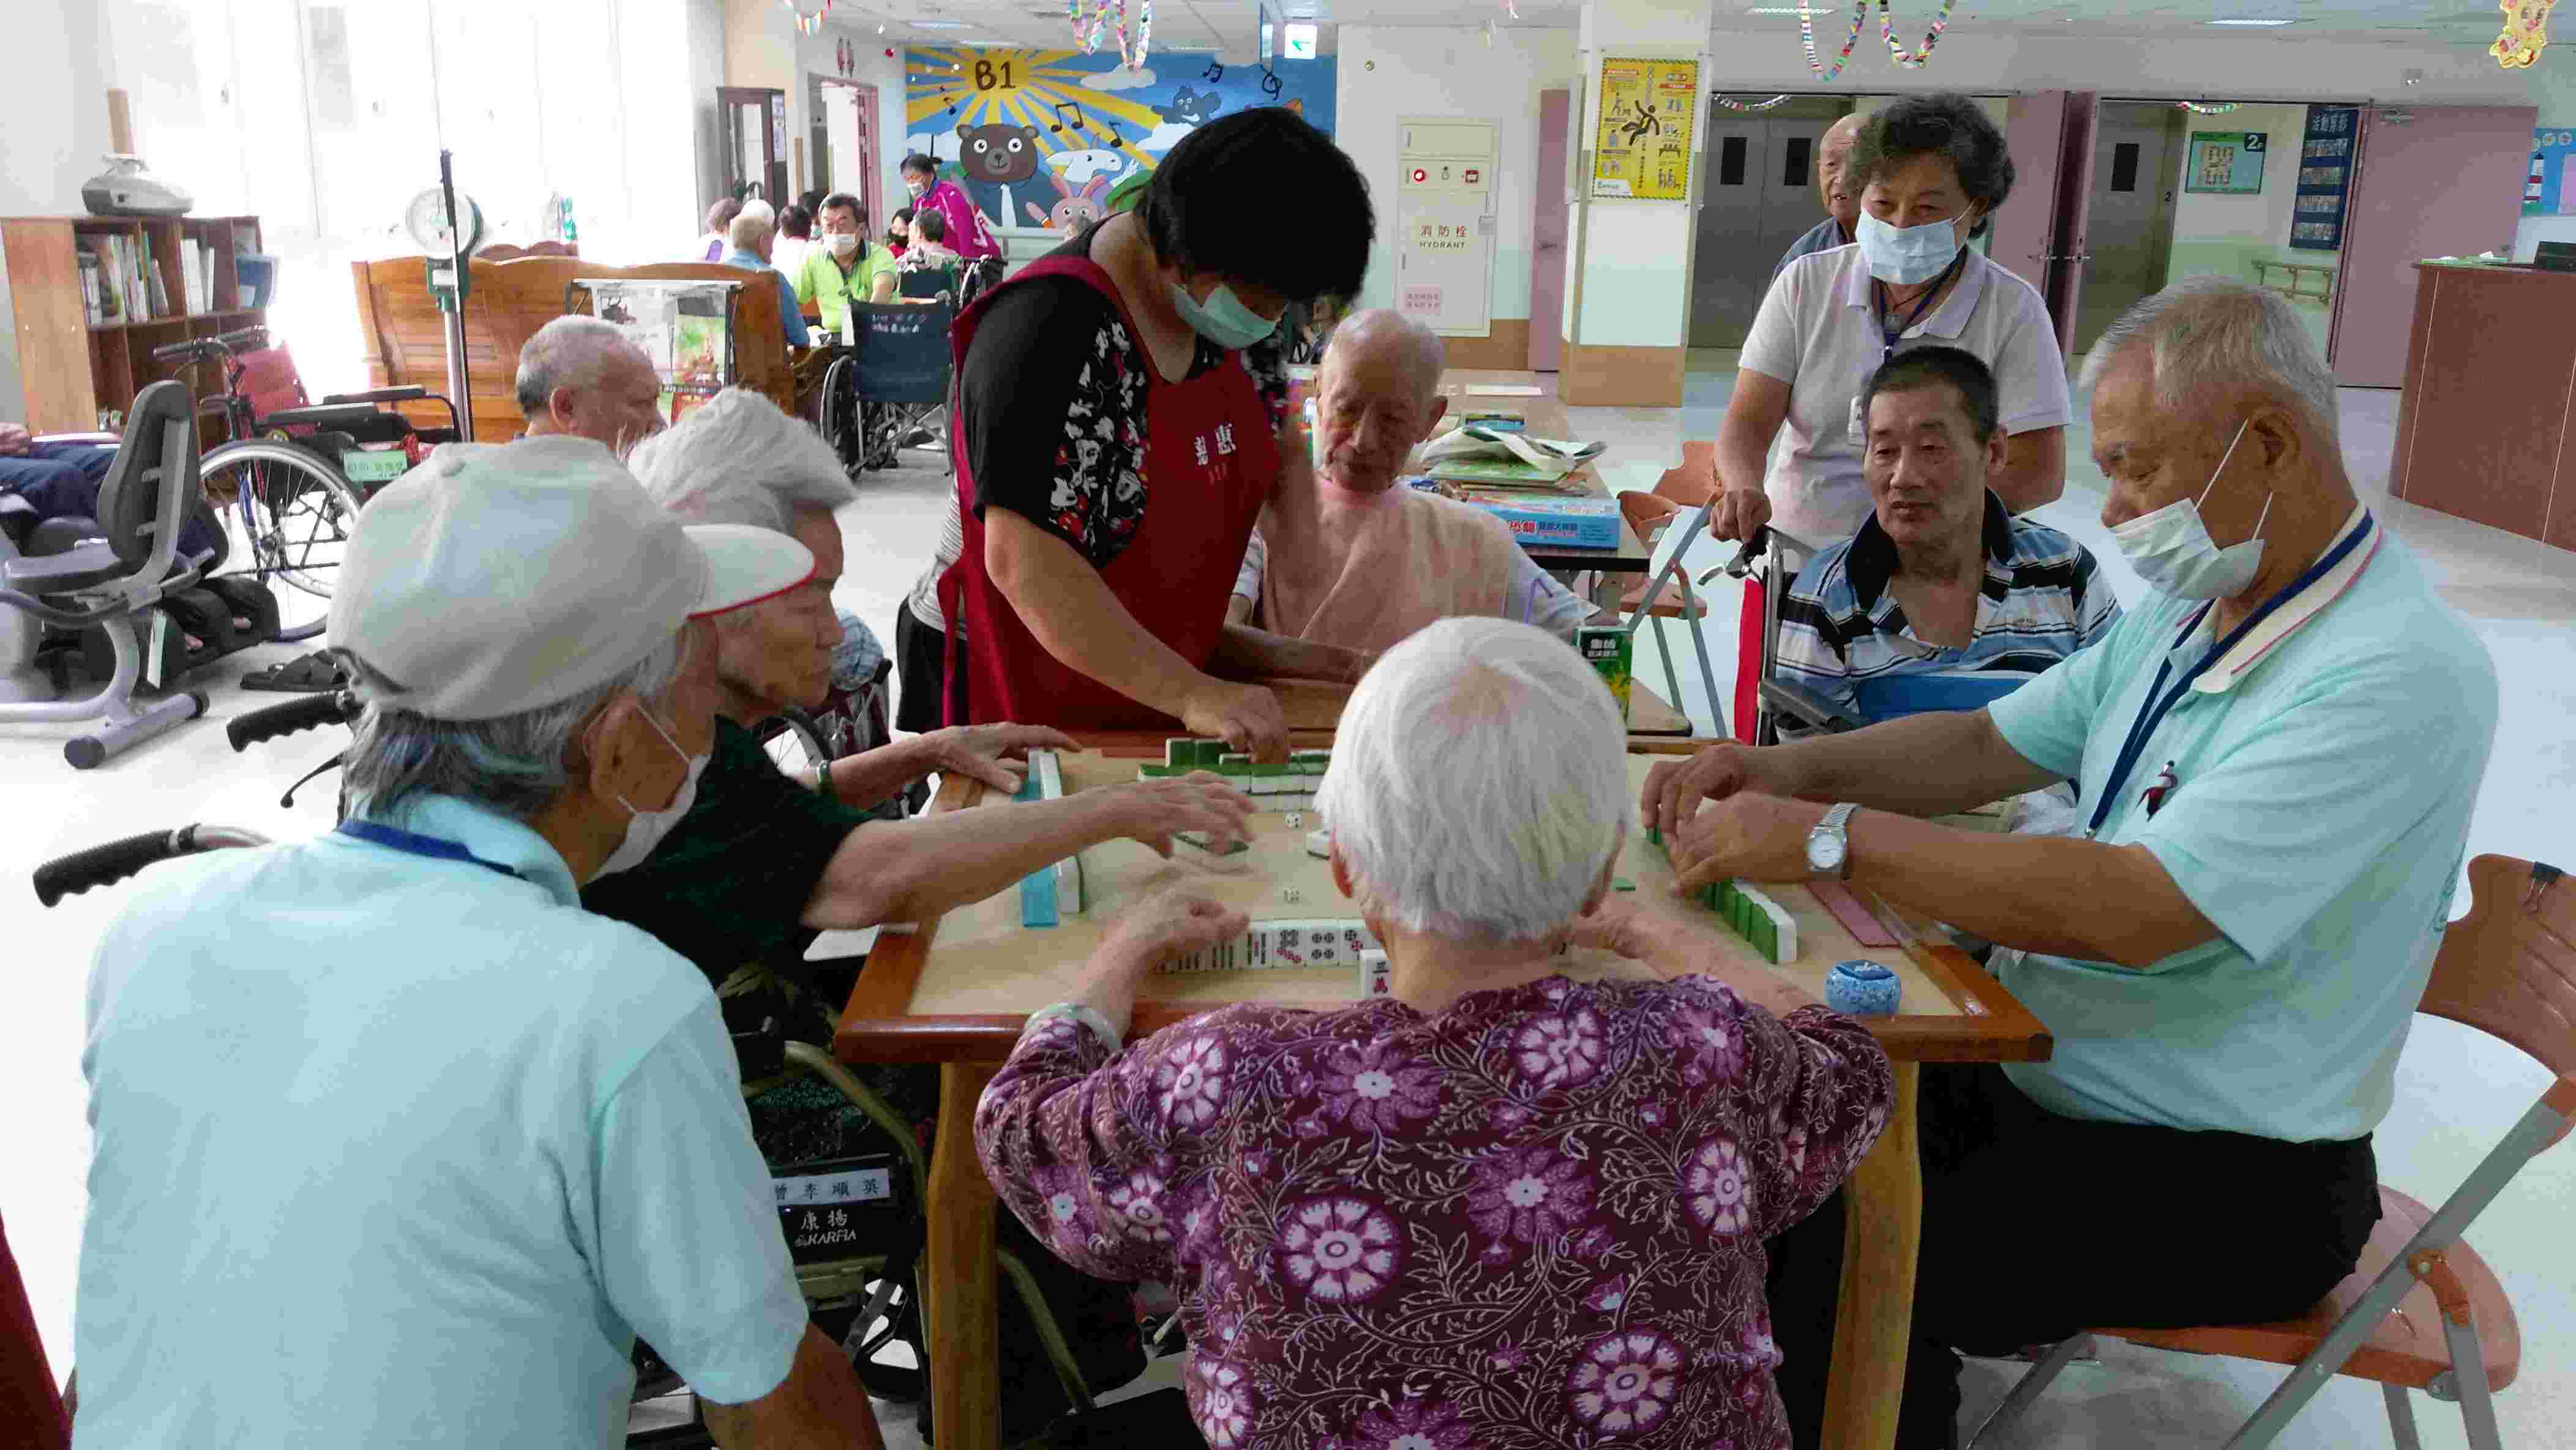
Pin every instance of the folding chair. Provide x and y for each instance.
(2421, 1311)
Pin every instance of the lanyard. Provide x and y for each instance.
(2152, 713)
(412, 843)
(1888, 336)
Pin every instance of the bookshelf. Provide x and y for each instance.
(71, 366)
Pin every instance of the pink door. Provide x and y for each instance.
(1547, 234)
(2445, 182)
(2024, 240)
(867, 184)
(2074, 213)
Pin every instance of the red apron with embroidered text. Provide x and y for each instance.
(1209, 461)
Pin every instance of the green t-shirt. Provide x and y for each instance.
(819, 280)
(728, 887)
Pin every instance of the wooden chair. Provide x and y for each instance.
(506, 252)
(2422, 1311)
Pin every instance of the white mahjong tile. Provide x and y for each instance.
(1376, 979)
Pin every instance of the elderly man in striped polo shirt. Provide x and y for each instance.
(1942, 601)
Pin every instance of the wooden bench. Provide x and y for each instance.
(506, 304)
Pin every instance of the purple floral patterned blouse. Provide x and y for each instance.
(1535, 1219)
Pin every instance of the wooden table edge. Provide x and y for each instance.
(876, 1026)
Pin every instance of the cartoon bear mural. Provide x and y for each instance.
(996, 158)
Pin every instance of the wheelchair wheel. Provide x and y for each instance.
(796, 742)
(295, 512)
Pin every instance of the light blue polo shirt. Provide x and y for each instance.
(2325, 774)
(402, 1151)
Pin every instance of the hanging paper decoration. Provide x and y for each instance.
(1807, 37)
(1751, 106)
(1097, 18)
(2526, 32)
(2209, 108)
(808, 24)
(1914, 59)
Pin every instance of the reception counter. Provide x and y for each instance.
(2487, 427)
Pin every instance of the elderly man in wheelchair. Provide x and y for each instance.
(764, 860)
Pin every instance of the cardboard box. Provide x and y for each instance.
(1580, 523)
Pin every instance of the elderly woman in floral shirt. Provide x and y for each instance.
(1500, 1208)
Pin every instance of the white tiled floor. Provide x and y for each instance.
(2457, 1090)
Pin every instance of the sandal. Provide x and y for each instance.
(305, 674)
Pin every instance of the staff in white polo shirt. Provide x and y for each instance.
(396, 1144)
(2278, 753)
(1932, 172)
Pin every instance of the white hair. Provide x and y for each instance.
(739, 460)
(1426, 356)
(751, 228)
(1479, 782)
(2211, 340)
(569, 352)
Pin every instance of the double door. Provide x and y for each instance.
(1757, 195)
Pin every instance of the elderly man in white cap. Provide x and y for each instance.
(395, 1142)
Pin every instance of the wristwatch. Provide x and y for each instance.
(1829, 844)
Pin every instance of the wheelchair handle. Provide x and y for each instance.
(338, 707)
(106, 864)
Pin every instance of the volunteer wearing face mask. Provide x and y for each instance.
(1121, 421)
(840, 265)
(2277, 753)
(1932, 170)
(968, 232)
(389, 1094)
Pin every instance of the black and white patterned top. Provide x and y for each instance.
(1052, 409)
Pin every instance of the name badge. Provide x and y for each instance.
(1859, 425)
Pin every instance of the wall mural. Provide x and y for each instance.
(1036, 138)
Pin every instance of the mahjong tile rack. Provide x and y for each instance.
(981, 968)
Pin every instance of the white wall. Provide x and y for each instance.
(814, 57)
(1450, 71)
(53, 132)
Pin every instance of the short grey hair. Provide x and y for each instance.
(569, 352)
(1479, 782)
(514, 764)
(739, 460)
(751, 228)
(1426, 356)
(2211, 340)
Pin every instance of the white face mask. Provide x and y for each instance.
(1906, 255)
(2171, 548)
(844, 243)
(645, 829)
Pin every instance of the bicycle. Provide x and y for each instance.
(291, 494)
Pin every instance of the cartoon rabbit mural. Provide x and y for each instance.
(1075, 207)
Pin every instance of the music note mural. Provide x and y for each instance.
(1036, 137)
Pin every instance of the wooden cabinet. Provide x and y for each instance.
(72, 368)
(2484, 427)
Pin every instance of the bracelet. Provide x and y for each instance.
(1088, 1016)
(823, 783)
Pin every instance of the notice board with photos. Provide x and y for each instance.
(1649, 112)
(2325, 179)
(2226, 161)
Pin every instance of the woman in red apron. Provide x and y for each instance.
(1117, 423)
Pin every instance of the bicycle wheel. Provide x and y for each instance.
(295, 513)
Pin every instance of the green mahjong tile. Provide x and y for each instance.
(1264, 768)
(1180, 753)
(1210, 753)
(1654, 837)
(1622, 883)
(1234, 764)
(1765, 937)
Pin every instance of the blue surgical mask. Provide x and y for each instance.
(1906, 255)
(1223, 319)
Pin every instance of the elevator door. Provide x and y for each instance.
(2136, 155)
(1758, 196)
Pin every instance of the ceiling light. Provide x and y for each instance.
(1785, 10)
(939, 25)
(2254, 22)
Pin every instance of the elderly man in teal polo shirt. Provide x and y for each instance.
(396, 1144)
(2277, 755)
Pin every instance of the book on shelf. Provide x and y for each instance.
(93, 295)
(192, 298)
(157, 292)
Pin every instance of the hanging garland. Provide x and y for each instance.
(1091, 25)
(1911, 60)
(1754, 106)
(2209, 108)
(1807, 37)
